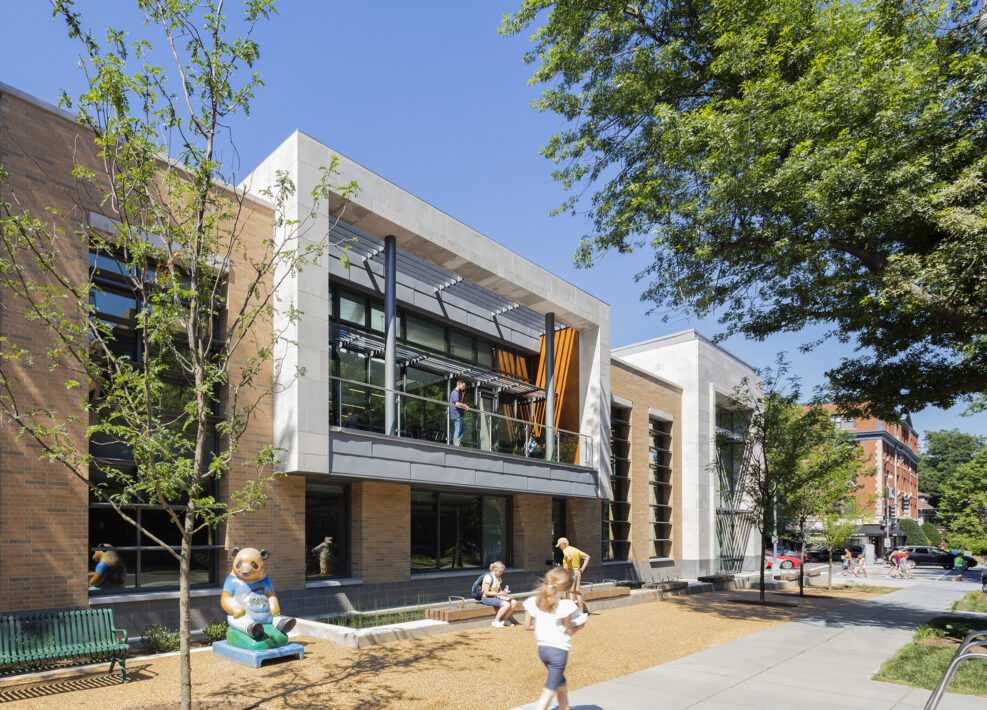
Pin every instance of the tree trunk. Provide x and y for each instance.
(185, 612)
(830, 585)
(763, 548)
(802, 567)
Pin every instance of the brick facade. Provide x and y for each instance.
(532, 531)
(892, 455)
(647, 392)
(381, 531)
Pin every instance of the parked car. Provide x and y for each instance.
(784, 561)
(933, 556)
(821, 554)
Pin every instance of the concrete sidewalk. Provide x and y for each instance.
(822, 661)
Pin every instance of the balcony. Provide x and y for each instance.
(496, 452)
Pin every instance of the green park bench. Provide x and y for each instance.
(61, 639)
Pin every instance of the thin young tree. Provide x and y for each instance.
(777, 441)
(837, 526)
(826, 478)
(177, 383)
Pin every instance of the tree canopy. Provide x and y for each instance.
(787, 164)
(943, 452)
(963, 508)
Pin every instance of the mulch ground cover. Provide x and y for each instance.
(487, 666)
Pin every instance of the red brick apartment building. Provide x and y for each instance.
(890, 491)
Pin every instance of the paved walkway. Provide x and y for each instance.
(824, 661)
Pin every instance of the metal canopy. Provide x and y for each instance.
(373, 345)
(365, 247)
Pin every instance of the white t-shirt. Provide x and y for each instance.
(549, 630)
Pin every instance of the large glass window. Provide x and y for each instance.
(458, 531)
(327, 542)
(130, 559)
(426, 334)
(353, 309)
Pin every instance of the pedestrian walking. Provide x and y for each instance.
(861, 568)
(959, 567)
(904, 566)
(576, 561)
(847, 559)
(550, 616)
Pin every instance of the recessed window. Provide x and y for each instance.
(352, 309)
(426, 334)
(326, 531)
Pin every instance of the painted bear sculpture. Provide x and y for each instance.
(252, 609)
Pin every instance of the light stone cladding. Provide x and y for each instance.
(380, 208)
(707, 374)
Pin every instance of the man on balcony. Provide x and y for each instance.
(457, 409)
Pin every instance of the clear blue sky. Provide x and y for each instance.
(430, 97)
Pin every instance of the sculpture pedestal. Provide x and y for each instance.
(252, 657)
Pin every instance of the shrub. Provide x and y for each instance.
(215, 631)
(159, 639)
(913, 533)
(932, 533)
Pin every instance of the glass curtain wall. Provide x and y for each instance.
(733, 526)
(358, 407)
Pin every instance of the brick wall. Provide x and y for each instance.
(646, 393)
(381, 531)
(43, 507)
(532, 531)
(584, 524)
(44, 516)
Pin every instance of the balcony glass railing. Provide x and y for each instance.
(361, 406)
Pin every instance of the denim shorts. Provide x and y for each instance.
(492, 601)
(554, 660)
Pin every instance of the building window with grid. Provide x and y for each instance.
(660, 488)
(118, 299)
(617, 510)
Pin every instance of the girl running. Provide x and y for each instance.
(550, 615)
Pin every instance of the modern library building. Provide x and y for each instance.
(441, 403)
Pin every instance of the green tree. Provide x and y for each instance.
(932, 533)
(837, 527)
(944, 451)
(781, 434)
(193, 360)
(963, 507)
(914, 534)
(787, 164)
(826, 479)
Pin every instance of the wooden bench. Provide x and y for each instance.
(717, 578)
(61, 639)
(590, 593)
(460, 609)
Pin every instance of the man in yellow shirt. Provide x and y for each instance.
(576, 561)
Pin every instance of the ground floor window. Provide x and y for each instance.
(458, 531)
(130, 561)
(327, 527)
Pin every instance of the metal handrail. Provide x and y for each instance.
(585, 441)
(962, 654)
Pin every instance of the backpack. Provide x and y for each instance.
(477, 591)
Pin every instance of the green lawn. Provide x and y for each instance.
(974, 601)
(922, 666)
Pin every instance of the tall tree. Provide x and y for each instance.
(837, 527)
(174, 382)
(944, 451)
(963, 507)
(787, 164)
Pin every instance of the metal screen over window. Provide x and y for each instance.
(660, 488)
(617, 510)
